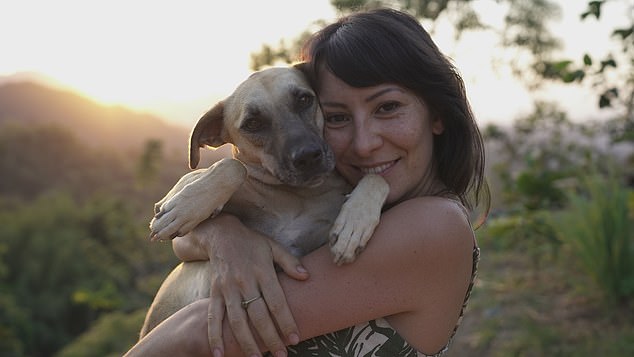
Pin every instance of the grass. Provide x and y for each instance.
(519, 308)
(599, 230)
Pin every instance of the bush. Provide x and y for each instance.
(598, 227)
(112, 335)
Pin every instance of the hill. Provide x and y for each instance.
(53, 139)
(96, 125)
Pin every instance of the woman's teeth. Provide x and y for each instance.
(376, 169)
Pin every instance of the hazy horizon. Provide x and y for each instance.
(176, 61)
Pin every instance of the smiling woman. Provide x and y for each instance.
(144, 54)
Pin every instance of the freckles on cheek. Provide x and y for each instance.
(335, 141)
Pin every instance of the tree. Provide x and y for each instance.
(612, 76)
(68, 263)
(525, 26)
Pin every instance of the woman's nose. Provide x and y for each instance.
(366, 139)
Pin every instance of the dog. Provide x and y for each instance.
(280, 181)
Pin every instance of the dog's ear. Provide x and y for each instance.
(207, 132)
(303, 67)
(308, 71)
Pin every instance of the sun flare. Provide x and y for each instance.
(146, 53)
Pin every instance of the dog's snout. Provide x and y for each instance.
(307, 157)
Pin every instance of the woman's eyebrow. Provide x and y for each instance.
(332, 104)
(368, 99)
(381, 92)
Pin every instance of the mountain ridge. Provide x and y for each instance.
(26, 101)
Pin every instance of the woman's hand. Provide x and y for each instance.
(242, 269)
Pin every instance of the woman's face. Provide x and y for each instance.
(385, 130)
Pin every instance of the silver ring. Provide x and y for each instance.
(245, 303)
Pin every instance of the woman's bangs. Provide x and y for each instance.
(357, 65)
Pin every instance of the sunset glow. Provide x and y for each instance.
(175, 59)
(146, 53)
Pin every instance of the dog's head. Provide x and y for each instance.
(274, 122)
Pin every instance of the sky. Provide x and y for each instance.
(175, 59)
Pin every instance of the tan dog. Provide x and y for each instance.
(280, 182)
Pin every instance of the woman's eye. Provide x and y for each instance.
(336, 120)
(388, 107)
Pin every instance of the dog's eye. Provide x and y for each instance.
(252, 124)
(304, 100)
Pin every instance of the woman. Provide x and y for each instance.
(395, 106)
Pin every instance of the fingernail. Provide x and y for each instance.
(280, 353)
(301, 269)
(293, 339)
(217, 352)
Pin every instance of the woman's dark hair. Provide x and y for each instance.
(388, 46)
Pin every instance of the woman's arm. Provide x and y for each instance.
(415, 271)
(242, 267)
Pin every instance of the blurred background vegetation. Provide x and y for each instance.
(78, 181)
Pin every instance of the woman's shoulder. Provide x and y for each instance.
(435, 257)
(434, 203)
(432, 219)
(424, 236)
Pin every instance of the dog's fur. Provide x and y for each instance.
(280, 182)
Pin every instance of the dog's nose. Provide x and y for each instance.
(307, 157)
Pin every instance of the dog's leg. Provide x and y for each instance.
(358, 218)
(182, 182)
(197, 199)
(186, 283)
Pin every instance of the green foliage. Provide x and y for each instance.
(149, 163)
(13, 319)
(526, 26)
(612, 78)
(110, 336)
(538, 156)
(32, 166)
(73, 225)
(538, 188)
(528, 231)
(67, 264)
(598, 226)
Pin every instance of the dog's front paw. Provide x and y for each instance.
(178, 216)
(196, 197)
(358, 218)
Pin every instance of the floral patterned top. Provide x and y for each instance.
(371, 339)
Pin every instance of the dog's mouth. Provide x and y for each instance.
(316, 181)
(307, 178)
(308, 172)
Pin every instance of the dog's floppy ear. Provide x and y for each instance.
(207, 132)
(308, 71)
(303, 67)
